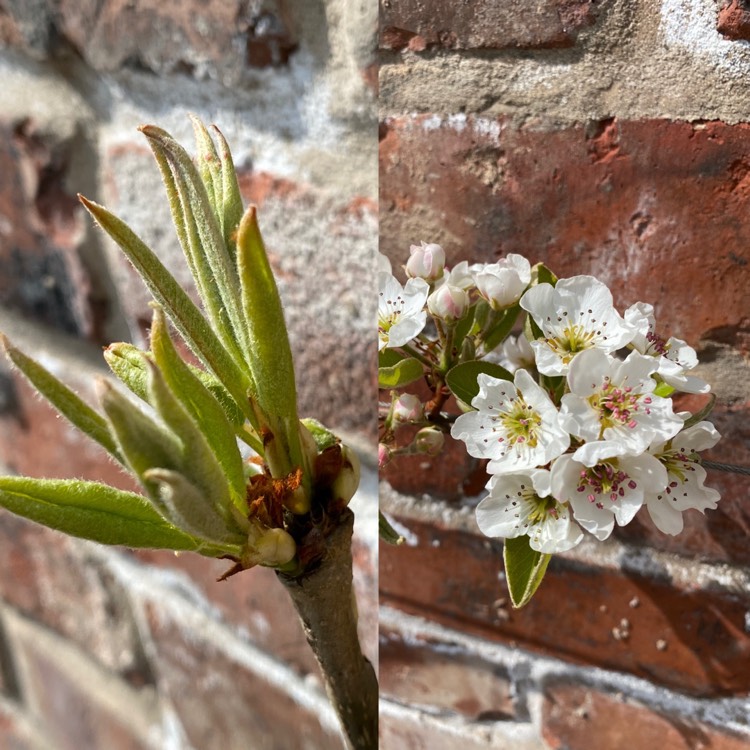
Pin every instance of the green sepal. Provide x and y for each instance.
(531, 330)
(92, 511)
(322, 436)
(462, 379)
(405, 371)
(664, 390)
(126, 362)
(387, 533)
(68, 403)
(524, 569)
(701, 414)
(201, 404)
(187, 318)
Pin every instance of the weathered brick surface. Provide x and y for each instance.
(578, 718)
(734, 19)
(162, 37)
(693, 640)
(482, 24)
(429, 675)
(40, 232)
(49, 578)
(222, 704)
(656, 209)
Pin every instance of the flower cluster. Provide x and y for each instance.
(573, 414)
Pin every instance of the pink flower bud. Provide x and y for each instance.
(429, 440)
(426, 262)
(448, 303)
(384, 455)
(408, 408)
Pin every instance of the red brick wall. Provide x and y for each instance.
(104, 648)
(603, 138)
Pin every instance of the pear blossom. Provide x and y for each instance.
(401, 314)
(516, 425)
(612, 490)
(426, 261)
(674, 356)
(429, 440)
(448, 303)
(611, 405)
(384, 263)
(575, 315)
(461, 275)
(503, 283)
(520, 504)
(684, 488)
(515, 353)
(408, 408)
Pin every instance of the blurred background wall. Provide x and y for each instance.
(103, 648)
(602, 137)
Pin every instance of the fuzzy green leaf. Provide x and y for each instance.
(462, 379)
(209, 166)
(210, 262)
(201, 404)
(68, 403)
(232, 208)
(126, 361)
(524, 569)
(92, 511)
(189, 321)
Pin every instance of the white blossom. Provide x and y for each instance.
(384, 263)
(516, 425)
(674, 356)
(684, 487)
(611, 405)
(575, 315)
(401, 314)
(461, 275)
(515, 353)
(502, 283)
(612, 490)
(520, 504)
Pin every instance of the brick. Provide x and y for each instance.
(576, 718)
(41, 232)
(222, 703)
(429, 675)
(162, 37)
(51, 579)
(705, 649)
(483, 24)
(654, 208)
(734, 19)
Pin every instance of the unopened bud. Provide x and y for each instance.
(384, 455)
(408, 408)
(448, 303)
(503, 283)
(275, 547)
(429, 440)
(347, 482)
(426, 262)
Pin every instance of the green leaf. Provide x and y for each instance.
(269, 354)
(209, 166)
(390, 357)
(540, 274)
(92, 511)
(232, 207)
(210, 263)
(495, 334)
(387, 532)
(126, 361)
(201, 404)
(524, 569)
(402, 373)
(531, 330)
(462, 379)
(68, 403)
(321, 435)
(701, 414)
(189, 321)
(463, 328)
